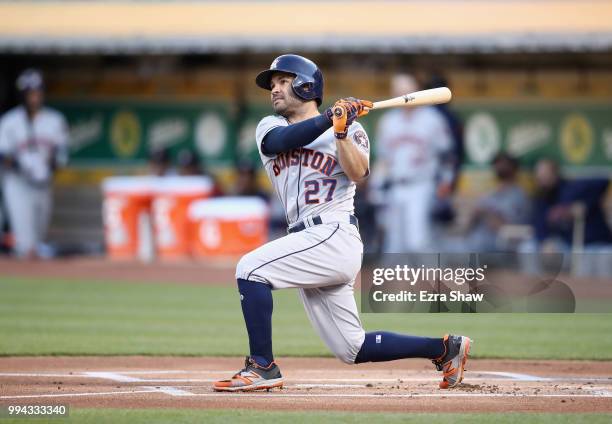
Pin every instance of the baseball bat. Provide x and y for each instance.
(433, 96)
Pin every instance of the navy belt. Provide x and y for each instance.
(318, 221)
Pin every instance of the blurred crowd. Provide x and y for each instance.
(188, 163)
(411, 202)
(34, 145)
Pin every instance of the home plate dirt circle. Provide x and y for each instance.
(310, 383)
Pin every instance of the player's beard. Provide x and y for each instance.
(286, 108)
(280, 108)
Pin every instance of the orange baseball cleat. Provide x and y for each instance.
(452, 362)
(252, 377)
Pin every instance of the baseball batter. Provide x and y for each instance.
(313, 160)
(33, 142)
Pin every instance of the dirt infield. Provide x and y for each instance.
(216, 272)
(310, 383)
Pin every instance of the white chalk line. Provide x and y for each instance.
(141, 372)
(603, 393)
(121, 377)
(328, 386)
(75, 394)
(111, 376)
(37, 374)
(415, 395)
(237, 396)
(172, 391)
(517, 376)
(179, 391)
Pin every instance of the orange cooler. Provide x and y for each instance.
(228, 225)
(126, 214)
(173, 195)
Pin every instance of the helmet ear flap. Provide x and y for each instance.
(307, 87)
(303, 89)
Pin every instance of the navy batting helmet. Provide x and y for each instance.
(308, 81)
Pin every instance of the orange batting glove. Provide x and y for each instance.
(362, 106)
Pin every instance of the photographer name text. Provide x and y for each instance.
(425, 296)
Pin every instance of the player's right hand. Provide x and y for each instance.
(342, 114)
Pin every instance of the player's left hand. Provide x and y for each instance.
(362, 106)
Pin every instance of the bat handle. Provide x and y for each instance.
(339, 112)
(339, 121)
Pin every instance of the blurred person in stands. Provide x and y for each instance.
(554, 216)
(189, 164)
(410, 142)
(366, 209)
(506, 204)
(33, 144)
(247, 183)
(450, 161)
(160, 163)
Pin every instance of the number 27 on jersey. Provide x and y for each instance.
(313, 188)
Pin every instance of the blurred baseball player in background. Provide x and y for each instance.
(410, 143)
(33, 144)
(313, 161)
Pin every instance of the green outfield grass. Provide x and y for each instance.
(96, 318)
(184, 416)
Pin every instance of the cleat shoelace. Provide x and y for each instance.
(438, 364)
(245, 372)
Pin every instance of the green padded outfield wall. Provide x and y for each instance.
(109, 133)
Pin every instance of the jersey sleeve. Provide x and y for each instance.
(266, 125)
(6, 141)
(361, 140)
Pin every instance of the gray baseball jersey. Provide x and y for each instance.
(323, 260)
(309, 180)
(27, 190)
